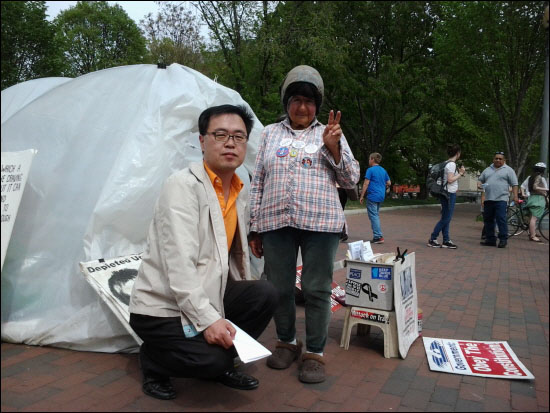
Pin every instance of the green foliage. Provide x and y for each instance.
(493, 57)
(409, 77)
(173, 36)
(95, 35)
(28, 50)
(230, 24)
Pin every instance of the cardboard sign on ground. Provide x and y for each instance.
(474, 358)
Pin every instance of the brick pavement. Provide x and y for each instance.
(473, 292)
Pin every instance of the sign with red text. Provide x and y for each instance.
(474, 358)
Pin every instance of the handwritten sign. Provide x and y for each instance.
(15, 171)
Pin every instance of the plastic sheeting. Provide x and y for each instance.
(18, 96)
(106, 142)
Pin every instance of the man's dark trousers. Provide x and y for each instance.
(495, 210)
(166, 352)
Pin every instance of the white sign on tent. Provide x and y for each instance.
(15, 170)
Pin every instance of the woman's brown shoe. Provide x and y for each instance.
(313, 368)
(284, 355)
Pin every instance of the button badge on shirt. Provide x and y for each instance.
(293, 153)
(286, 141)
(298, 144)
(311, 148)
(307, 162)
(282, 152)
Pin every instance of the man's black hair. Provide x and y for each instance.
(452, 150)
(304, 89)
(242, 111)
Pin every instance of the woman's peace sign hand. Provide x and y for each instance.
(332, 134)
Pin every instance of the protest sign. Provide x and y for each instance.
(474, 358)
(113, 280)
(406, 302)
(15, 171)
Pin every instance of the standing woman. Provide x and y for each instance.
(536, 201)
(452, 175)
(294, 204)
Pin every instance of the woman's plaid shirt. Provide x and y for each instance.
(285, 192)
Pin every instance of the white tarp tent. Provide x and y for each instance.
(18, 96)
(106, 141)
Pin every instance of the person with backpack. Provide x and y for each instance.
(449, 185)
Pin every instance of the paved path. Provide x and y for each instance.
(473, 292)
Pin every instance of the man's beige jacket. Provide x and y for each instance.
(185, 267)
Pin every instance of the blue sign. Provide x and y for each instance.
(355, 274)
(381, 273)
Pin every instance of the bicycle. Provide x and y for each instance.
(518, 220)
(542, 225)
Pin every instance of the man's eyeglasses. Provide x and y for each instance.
(499, 153)
(224, 137)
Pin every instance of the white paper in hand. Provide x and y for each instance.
(248, 348)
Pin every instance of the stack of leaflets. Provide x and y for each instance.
(360, 251)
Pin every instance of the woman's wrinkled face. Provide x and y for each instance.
(301, 111)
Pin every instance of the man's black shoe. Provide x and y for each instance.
(159, 389)
(238, 380)
(502, 244)
(489, 243)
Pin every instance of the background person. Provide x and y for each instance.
(524, 187)
(377, 181)
(451, 176)
(195, 273)
(294, 204)
(536, 203)
(497, 179)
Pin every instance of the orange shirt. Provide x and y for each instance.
(229, 208)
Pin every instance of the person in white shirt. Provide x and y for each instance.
(452, 175)
(524, 188)
(536, 203)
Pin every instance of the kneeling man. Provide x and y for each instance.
(195, 274)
